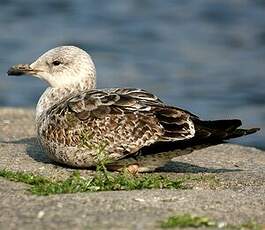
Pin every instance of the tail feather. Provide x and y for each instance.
(242, 132)
(222, 124)
(220, 129)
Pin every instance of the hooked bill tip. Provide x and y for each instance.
(20, 69)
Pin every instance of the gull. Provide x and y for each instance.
(80, 126)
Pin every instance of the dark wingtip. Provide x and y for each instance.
(253, 130)
(241, 132)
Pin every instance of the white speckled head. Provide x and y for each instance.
(67, 69)
(65, 66)
(61, 67)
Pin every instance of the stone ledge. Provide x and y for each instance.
(241, 195)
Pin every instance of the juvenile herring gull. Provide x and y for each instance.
(76, 122)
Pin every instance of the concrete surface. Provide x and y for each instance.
(238, 197)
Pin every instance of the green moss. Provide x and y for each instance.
(102, 181)
(27, 178)
(187, 220)
(250, 225)
(190, 221)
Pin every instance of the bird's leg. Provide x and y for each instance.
(130, 168)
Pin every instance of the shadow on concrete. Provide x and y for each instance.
(181, 167)
(156, 157)
(33, 149)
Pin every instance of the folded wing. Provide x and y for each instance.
(127, 119)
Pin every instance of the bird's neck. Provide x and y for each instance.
(54, 95)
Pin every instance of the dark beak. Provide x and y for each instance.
(21, 69)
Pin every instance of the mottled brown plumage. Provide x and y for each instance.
(78, 125)
(123, 120)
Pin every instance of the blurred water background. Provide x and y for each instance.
(202, 55)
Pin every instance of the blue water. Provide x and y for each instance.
(202, 55)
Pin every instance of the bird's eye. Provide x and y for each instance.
(56, 63)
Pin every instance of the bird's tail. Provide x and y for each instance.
(221, 129)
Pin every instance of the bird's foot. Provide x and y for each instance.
(130, 168)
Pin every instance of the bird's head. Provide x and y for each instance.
(61, 67)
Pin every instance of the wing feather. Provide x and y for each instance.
(128, 118)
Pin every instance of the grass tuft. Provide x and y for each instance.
(27, 178)
(190, 221)
(187, 220)
(102, 181)
(250, 225)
